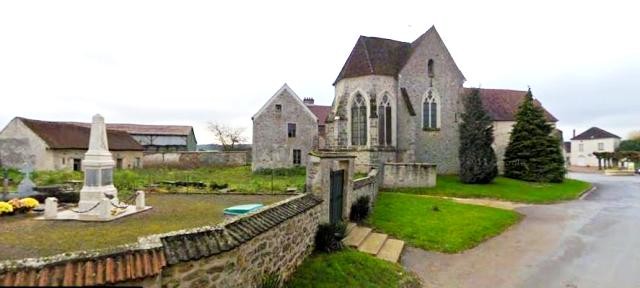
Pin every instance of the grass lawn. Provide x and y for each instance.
(21, 236)
(350, 268)
(239, 178)
(504, 189)
(454, 228)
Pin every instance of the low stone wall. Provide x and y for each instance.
(409, 175)
(366, 186)
(236, 253)
(197, 159)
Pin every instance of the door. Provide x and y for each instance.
(76, 164)
(335, 200)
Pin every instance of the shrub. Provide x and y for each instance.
(5, 208)
(329, 237)
(271, 280)
(360, 209)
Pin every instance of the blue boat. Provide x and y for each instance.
(241, 209)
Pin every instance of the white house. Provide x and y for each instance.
(592, 140)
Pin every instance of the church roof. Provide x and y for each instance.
(375, 56)
(66, 135)
(502, 104)
(380, 56)
(595, 133)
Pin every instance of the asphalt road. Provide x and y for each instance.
(594, 242)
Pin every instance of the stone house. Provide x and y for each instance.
(592, 140)
(47, 145)
(158, 138)
(401, 102)
(285, 130)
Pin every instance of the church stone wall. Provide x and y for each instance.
(438, 147)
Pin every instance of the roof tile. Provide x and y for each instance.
(595, 133)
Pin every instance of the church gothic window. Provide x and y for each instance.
(430, 112)
(384, 122)
(359, 121)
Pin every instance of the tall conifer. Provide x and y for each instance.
(478, 162)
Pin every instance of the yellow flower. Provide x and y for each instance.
(5, 207)
(29, 202)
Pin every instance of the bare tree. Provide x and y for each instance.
(634, 135)
(227, 136)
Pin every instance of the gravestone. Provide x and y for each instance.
(25, 188)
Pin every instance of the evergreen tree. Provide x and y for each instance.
(533, 153)
(478, 162)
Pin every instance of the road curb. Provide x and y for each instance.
(587, 192)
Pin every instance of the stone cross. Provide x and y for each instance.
(25, 188)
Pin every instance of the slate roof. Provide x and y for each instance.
(379, 56)
(191, 246)
(89, 271)
(321, 112)
(375, 56)
(502, 104)
(595, 133)
(66, 135)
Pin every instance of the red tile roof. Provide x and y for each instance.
(595, 133)
(109, 269)
(321, 112)
(65, 135)
(502, 104)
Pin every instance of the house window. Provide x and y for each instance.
(600, 146)
(430, 117)
(384, 122)
(580, 147)
(77, 166)
(63, 160)
(430, 70)
(291, 130)
(297, 155)
(137, 163)
(119, 163)
(358, 121)
(278, 108)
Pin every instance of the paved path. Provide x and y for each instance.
(594, 242)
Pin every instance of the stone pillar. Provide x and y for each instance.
(140, 201)
(104, 209)
(51, 208)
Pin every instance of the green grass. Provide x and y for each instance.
(454, 228)
(504, 189)
(239, 178)
(350, 268)
(22, 236)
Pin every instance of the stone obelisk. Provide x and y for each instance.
(98, 167)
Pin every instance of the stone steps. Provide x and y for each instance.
(378, 244)
(373, 243)
(391, 250)
(356, 236)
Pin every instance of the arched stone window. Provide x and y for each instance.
(430, 111)
(430, 70)
(384, 122)
(358, 121)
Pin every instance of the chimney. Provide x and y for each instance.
(308, 101)
(574, 133)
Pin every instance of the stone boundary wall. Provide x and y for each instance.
(366, 186)
(198, 159)
(235, 253)
(397, 175)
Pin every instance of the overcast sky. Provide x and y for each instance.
(190, 62)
